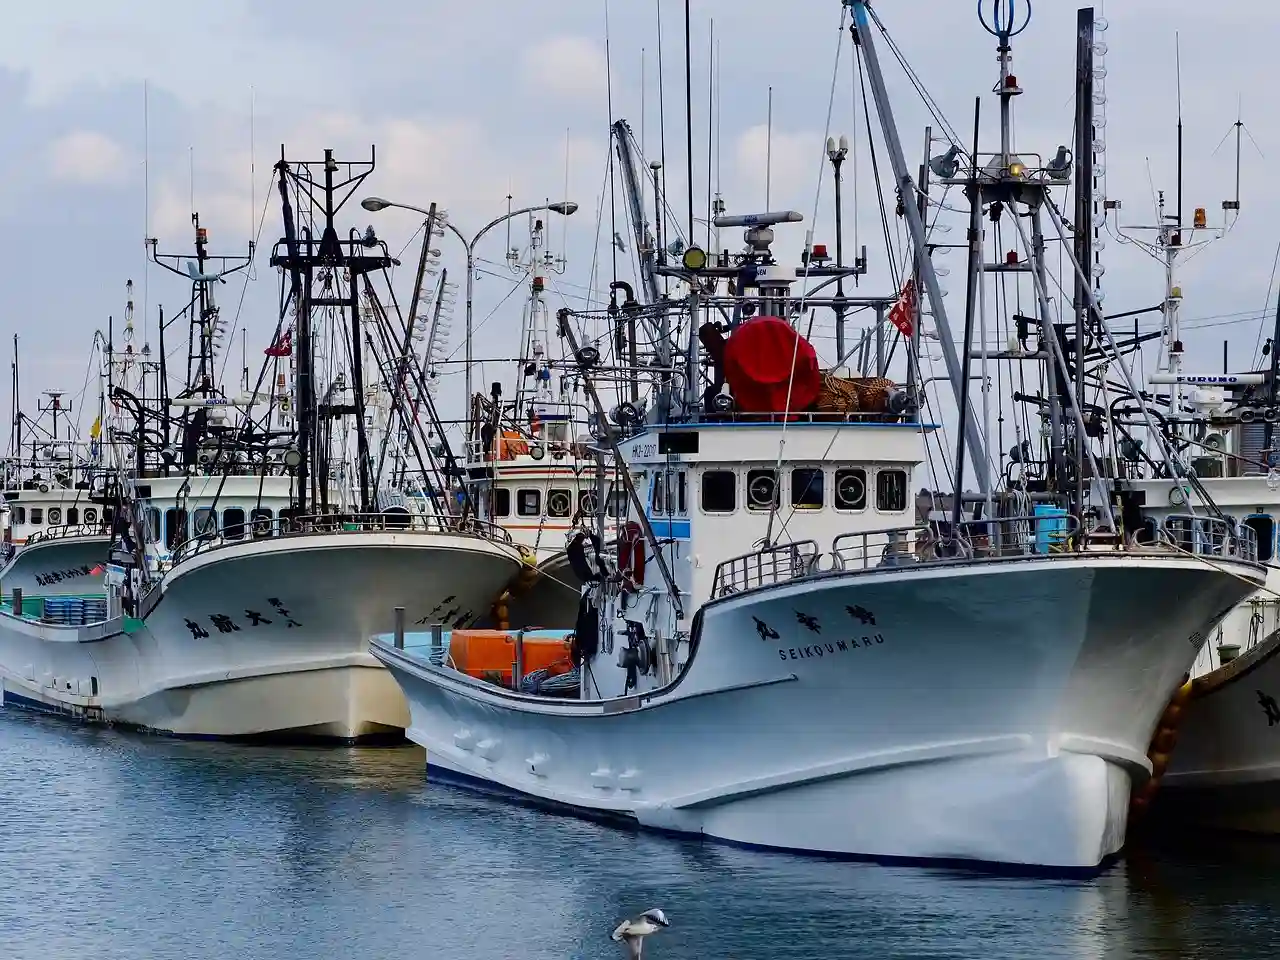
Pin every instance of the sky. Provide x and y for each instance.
(122, 119)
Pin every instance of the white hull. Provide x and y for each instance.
(996, 712)
(179, 672)
(59, 567)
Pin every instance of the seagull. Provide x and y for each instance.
(633, 931)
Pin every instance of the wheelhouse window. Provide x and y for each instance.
(891, 491)
(260, 521)
(55, 516)
(73, 515)
(682, 493)
(90, 515)
(19, 514)
(233, 523)
(204, 523)
(153, 525)
(719, 491)
(807, 488)
(529, 503)
(1264, 529)
(658, 499)
(559, 503)
(175, 527)
(588, 503)
(500, 502)
(851, 489)
(37, 516)
(762, 489)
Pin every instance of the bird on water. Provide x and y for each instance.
(632, 932)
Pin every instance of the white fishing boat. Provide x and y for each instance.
(809, 669)
(248, 569)
(55, 535)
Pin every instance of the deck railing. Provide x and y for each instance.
(67, 530)
(972, 541)
(788, 561)
(1209, 537)
(331, 523)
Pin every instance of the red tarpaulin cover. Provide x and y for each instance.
(758, 363)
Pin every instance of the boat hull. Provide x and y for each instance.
(995, 713)
(60, 567)
(1224, 773)
(552, 601)
(259, 639)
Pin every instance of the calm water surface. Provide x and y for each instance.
(119, 847)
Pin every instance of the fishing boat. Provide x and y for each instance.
(1221, 768)
(55, 534)
(248, 563)
(786, 659)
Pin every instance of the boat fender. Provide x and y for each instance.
(587, 569)
(631, 556)
(585, 641)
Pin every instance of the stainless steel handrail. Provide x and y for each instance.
(974, 541)
(65, 530)
(317, 524)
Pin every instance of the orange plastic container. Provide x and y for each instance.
(491, 654)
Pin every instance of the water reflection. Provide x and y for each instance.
(120, 846)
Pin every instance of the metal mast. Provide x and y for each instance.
(915, 223)
(316, 269)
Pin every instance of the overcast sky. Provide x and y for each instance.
(467, 103)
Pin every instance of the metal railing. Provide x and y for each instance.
(331, 523)
(974, 541)
(1210, 537)
(788, 561)
(68, 530)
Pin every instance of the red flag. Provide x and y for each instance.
(902, 314)
(98, 570)
(283, 346)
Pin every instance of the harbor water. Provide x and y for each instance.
(124, 847)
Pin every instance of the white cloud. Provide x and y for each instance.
(790, 164)
(88, 157)
(567, 66)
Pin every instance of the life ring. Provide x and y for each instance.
(558, 504)
(850, 491)
(631, 555)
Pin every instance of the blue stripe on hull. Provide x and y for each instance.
(479, 785)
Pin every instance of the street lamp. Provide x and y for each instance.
(565, 208)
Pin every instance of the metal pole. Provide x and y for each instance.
(1084, 213)
(915, 224)
(517, 668)
(971, 294)
(836, 161)
(471, 273)
(399, 628)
